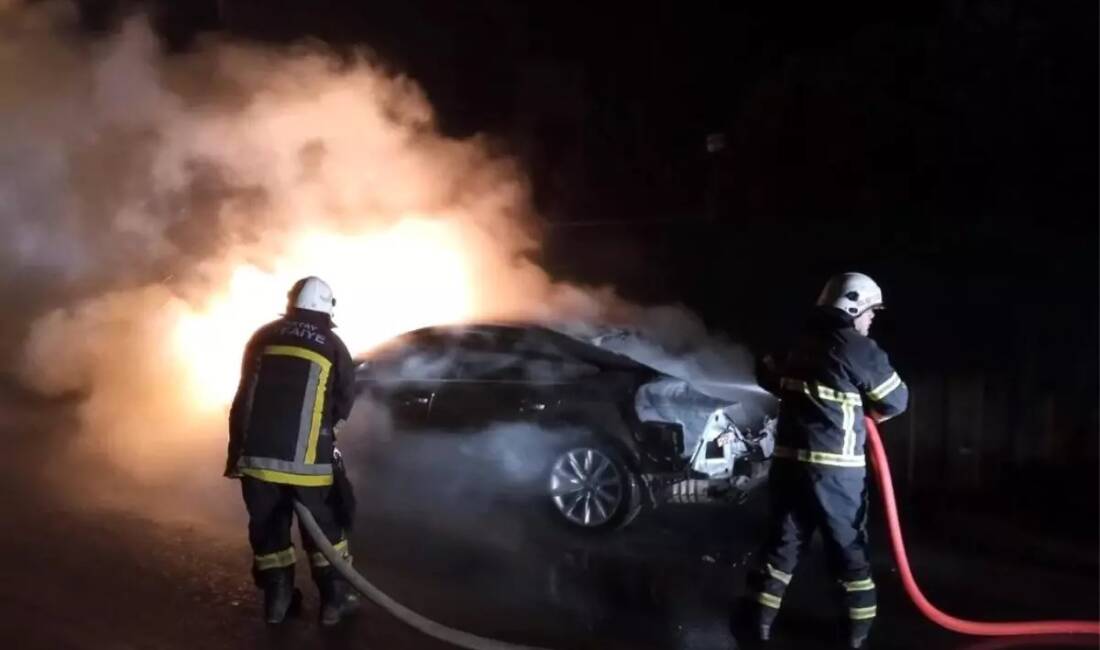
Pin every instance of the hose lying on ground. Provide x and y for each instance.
(1014, 628)
(402, 613)
(886, 487)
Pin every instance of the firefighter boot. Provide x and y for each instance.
(765, 617)
(857, 635)
(338, 599)
(279, 594)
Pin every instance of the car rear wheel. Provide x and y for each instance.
(591, 488)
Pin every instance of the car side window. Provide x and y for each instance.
(556, 369)
(489, 366)
(419, 356)
(515, 356)
(485, 355)
(545, 361)
(519, 367)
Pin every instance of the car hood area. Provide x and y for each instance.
(669, 399)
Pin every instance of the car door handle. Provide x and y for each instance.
(532, 406)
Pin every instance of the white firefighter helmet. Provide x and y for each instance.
(852, 293)
(311, 293)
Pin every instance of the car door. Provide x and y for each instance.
(406, 376)
(502, 377)
(487, 386)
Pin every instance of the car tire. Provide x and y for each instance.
(591, 489)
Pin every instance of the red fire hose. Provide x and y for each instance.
(886, 486)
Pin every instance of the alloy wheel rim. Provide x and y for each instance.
(586, 486)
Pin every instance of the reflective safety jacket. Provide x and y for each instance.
(297, 381)
(831, 377)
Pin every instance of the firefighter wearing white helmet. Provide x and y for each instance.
(311, 293)
(296, 386)
(833, 375)
(856, 295)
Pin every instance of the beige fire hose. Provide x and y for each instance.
(402, 613)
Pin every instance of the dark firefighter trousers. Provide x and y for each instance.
(806, 497)
(270, 513)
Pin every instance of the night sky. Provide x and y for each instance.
(947, 148)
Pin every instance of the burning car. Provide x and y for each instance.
(618, 435)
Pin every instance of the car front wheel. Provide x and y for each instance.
(591, 488)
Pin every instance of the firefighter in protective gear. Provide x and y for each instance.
(296, 387)
(833, 375)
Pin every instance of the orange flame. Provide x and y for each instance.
(413, 274)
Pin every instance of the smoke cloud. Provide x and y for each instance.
(154, 209)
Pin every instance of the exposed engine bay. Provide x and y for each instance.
(724, 455)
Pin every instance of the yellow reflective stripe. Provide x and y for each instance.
(768, 600)
(318, 413)
(785, 578)
(820, 457)
(824, 392)
(318, 559)
(272, 476)
(885, 388)
(847, 401)
(821, 391)
(861, 613)
(301, 353)
(848, 447)
(275, 560)
(319, 401)
(859, 585)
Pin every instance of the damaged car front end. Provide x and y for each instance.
(600, 436)
(714, 450)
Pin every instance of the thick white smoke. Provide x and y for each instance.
(177, 197)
